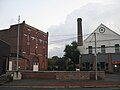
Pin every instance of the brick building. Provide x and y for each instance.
(33, 47)
(4, 55)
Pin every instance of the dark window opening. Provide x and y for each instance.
(103, 49)
(90, 49)
(116, 48)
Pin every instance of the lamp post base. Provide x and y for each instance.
(17, 75)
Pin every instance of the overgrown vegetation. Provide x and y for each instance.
(68, 61)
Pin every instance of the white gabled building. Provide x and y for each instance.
(107, 45)
(107, 41)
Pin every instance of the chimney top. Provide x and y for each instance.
(23, 21)
(79, 19)
(79, 29)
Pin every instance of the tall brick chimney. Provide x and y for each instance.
(79, 30)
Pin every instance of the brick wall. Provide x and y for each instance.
(26, 60)
(38, 75)
(64, 75)
(41, 52)
(73, 75)
(101, 75)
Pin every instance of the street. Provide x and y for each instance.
(111, 82)
(37, 88)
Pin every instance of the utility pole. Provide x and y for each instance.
(18, 43)
(95, 58)
(79, 61)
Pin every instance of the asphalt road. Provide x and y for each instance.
(36, 84)
(30, 88)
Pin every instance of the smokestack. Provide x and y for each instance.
(79, 30)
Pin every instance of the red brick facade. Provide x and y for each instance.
(33, 48)
(63, 75)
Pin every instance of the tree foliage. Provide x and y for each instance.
(57, 63)
(72, 52)
(66, 63)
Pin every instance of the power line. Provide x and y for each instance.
(62, 40)
(58, 35)
(61, 35)
(66, 39)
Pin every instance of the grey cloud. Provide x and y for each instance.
(56, 52)
(92, 15)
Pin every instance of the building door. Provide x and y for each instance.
(35, 64)
(10, 65)
(35, 67)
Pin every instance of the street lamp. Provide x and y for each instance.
(18, 43)
(79, 61)
(17, 74)
(95, 57)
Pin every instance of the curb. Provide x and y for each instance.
(99, 86)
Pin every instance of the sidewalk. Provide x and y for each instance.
(110, 81)
(60, 83)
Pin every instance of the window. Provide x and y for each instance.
(28, 43)
(91, 66)
(43, 54)
(28, 37)
(37, 42)
(87, 65)
(116, 48)
(36, 51)
(102, 65)
(106, 66)
(98, 66)
(90, 49)
(103, 49)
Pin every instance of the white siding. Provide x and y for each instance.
(108, 38)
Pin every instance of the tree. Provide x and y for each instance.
(57, 63)
(61, 64)
(51, 62)
(71, 52)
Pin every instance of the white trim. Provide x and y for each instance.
(28, 29)
(32, 37)
(25, 35)
(24, 52)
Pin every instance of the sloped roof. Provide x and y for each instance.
(102, 33)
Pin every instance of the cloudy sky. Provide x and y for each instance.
(59, 17)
